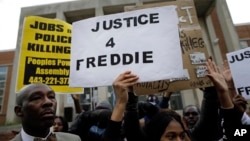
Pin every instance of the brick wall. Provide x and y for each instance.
(244, 32)
(6, 59)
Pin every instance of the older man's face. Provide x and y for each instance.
(39, 106)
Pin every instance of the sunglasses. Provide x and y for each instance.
(192, 113)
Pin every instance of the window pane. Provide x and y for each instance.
(176, 101)
(2, 84)
(1, 92)
(85, 99)
(3, 69)
(3, 75)
(243, 44)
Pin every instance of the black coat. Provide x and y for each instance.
(84, 121)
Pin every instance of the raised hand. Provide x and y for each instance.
(167, 94)
(215, 74)
(227, 74)
(121, 85)
(220, 84)
(75, 97)
(240, 103)
(229, 79)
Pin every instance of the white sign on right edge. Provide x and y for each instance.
(239, 65)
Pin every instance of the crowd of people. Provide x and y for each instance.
(221, 117)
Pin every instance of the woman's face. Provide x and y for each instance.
(58, 125)
(173, 132)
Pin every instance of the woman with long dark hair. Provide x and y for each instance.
(60, 124)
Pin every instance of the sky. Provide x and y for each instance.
(10, 11)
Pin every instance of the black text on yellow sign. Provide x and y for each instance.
(47, 70)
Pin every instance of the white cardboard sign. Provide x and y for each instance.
(239, 65)
(144, 41)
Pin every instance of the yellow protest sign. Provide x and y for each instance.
(45, 54)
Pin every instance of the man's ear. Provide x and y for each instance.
(18, 111)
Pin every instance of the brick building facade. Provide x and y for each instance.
(243, 31)
(6, 65)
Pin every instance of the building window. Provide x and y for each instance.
(176, 101)
(3, 77)
(85, 99)
(243, 44)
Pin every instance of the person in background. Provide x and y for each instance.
(165, 126)
(91, 125)
(153, 99)
(60, 124)
(104, 104)
(152, 106)
(191, 115)
(36, 106)
(164, 103)
(147, 109)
